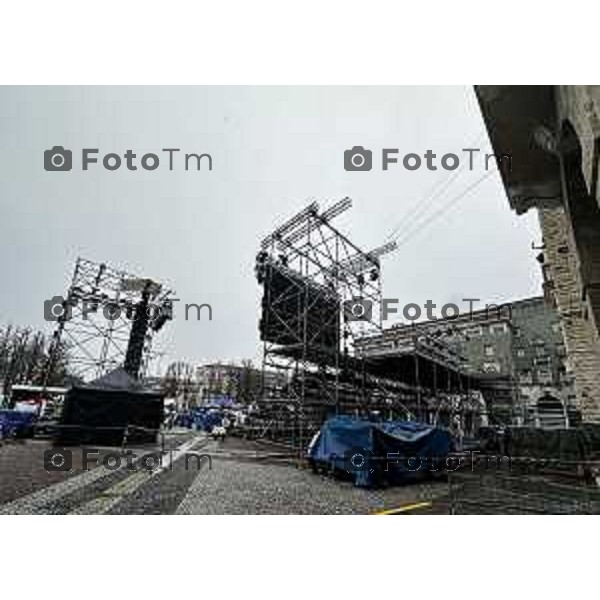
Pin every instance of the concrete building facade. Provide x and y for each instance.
(241, 382)
(513, 352)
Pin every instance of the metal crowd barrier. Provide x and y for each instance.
(530, 486)
(125, 431)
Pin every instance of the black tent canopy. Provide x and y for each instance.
(101, 411)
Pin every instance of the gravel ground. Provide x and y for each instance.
(243, 487)
(236, 484)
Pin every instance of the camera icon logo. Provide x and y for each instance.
(358, 159)
(58, 159)
(57, 308)
(358, 459)
(358, 309)
(58, 459)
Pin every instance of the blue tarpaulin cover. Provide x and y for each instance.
(202, 419)
(16, 423)
(380, 452)
(205, 420)
(220, 402)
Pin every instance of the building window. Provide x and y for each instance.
(488, 350)
(544, 376)
(526, 377)
(474, 330)
(521, 352)
(500, 328)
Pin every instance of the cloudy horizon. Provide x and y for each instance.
(273, 150)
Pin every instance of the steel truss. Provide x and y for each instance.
(321, 293)
(314, 278)
(108, 320)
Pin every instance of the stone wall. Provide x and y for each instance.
(554, 132)
(564, 286)
(580, 104)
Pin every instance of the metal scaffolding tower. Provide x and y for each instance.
(106, 320)
(321, 292)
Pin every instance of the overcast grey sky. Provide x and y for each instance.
(273, 149)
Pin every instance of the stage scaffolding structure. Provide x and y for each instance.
(107, 320)
(321, 292)
(322, 301)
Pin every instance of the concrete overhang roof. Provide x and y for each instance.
(521, 121)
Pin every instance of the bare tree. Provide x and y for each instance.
(179, 381)
(248, 384)
(24, 359)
